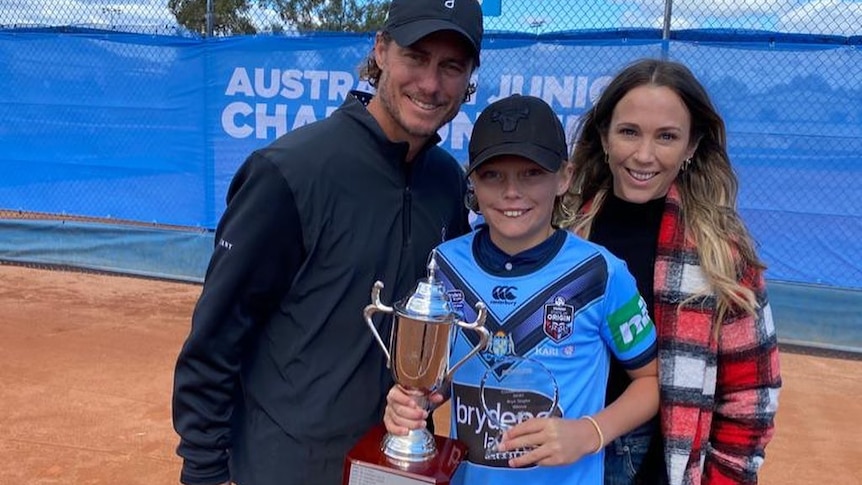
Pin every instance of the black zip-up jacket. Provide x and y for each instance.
(280, 375)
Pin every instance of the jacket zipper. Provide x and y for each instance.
(408, 211)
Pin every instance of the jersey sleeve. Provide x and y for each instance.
(628, 330)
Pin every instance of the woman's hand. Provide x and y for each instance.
(554, 441)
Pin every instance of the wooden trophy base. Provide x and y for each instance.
(366, 464)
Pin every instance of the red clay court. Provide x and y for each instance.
(86, 366)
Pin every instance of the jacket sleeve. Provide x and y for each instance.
(258, 249)
(747, 389)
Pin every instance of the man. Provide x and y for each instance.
(279, 376)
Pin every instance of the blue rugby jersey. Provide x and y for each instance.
(568, 315)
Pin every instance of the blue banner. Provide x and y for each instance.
(151, 129)
(491, 8)
(103, 126)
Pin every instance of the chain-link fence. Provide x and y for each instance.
(234, 17)
(141, 110)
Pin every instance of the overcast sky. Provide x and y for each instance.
(840, 17)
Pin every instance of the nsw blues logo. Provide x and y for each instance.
(558, 319)
(500, 345)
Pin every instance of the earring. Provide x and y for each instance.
(607, 158)
(686, 163)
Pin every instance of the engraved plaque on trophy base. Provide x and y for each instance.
(366, 464)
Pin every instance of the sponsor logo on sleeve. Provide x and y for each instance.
(630, 324)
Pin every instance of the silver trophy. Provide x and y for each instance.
(418, 352)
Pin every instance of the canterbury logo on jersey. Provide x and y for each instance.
(630, 324)
(504, 293)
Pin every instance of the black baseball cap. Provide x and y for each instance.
(410, 20)
(519, 125)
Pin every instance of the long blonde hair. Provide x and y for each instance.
(708, 187)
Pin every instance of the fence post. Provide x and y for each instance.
(209, 17)
(665, 29)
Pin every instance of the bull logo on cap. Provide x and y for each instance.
(508, 118)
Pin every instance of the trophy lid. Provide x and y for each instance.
(428, 301)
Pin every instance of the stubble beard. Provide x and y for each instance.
(390, 105)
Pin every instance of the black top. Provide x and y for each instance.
(280, 374)
(630, 231)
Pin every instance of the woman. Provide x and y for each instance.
(554, 301)
(655, 186)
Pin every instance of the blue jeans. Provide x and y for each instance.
(624, 455)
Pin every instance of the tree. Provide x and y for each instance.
(332, 15)
(230, 16)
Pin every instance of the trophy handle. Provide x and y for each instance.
(478, 326)
(374, 307)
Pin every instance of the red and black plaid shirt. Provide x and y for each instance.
(718, 395)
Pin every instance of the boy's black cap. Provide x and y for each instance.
(410, 20)
(519, 125)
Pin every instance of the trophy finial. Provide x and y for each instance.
(428, 301)
(432, 266)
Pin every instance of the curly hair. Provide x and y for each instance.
(708, 187)
(371, 72)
